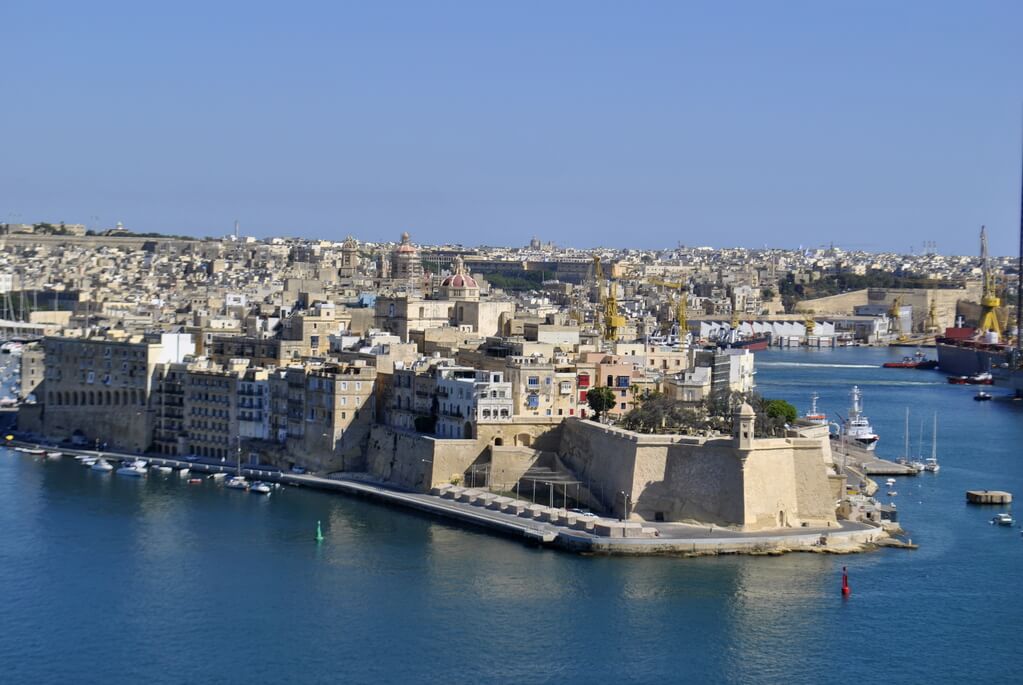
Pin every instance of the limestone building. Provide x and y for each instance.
(100, 387)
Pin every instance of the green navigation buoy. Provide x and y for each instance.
(319, 533)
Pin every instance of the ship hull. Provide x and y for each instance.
(753, 344)
(966, 360)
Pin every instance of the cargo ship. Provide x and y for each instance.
(962, 353)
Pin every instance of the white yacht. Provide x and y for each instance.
(857, 428)
(102, 465)
(1002, 520)
(237, 483)
(260, 488)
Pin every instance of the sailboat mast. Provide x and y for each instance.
(934, 438)
(905, 434)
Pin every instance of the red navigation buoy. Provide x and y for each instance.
(846, 590)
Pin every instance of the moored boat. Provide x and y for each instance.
(54, 455)
(260, 488)
(237, 483)
(1002, 519)
(813, 416)
(858, 428)
(102, 465)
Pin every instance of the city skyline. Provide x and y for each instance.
(875, 128)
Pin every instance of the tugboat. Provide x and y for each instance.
(813, 416)
(917, 361)
(858, 428)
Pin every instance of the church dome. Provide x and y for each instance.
(406, 246)
(460, 281)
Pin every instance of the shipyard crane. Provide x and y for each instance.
(895, 318)
(681, 304)
(809, 322)
(989, 300)
(613, 321)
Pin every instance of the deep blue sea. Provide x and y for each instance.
(113, 580)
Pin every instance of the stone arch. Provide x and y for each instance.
(523, 440)
(498, 442)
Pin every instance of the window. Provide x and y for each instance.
(584, 380)
(533, 381)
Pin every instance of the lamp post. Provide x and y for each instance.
(551, 491)
(625, 502)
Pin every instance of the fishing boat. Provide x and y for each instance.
(813, 416)
(858, 428)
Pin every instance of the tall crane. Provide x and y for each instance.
(613, 321)
(681, 304)
(989, 300)
(895, 317)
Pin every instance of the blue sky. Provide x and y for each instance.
(873, 125)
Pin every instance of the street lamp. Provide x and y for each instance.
(625, 497)
(551, 504)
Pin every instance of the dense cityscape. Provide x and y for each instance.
(428, 368)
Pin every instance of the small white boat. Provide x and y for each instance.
(33, 451)
(892, 493)
(133, 471)
(260, 488)
(218, 476)
(1002, 520)
(164, 469)
(890, 482)
(184, 473)
(237, 483)
(932, 465)
(87, 461)
(54, 455)
(102, 465)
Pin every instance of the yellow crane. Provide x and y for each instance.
(681, 304)
(989, 300)
(809, 322)
(613, 321)
(895, 317)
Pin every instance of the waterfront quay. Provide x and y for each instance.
(557, 528)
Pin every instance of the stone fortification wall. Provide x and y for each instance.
(670, 478)
(780, 483)
(417, 462)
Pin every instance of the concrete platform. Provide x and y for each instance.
(988, 497)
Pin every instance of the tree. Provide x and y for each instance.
(780, 409)
(600, 400)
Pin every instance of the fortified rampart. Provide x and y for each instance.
(780, 482)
